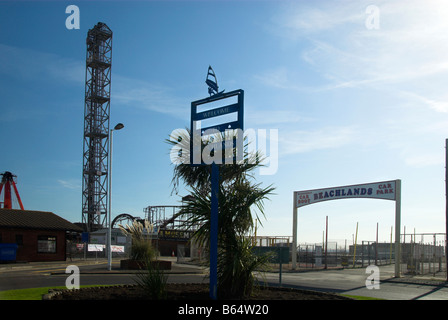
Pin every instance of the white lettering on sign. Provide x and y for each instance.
(215, 113)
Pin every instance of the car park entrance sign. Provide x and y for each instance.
(387, 190)
(379, 190)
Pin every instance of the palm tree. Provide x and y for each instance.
(238, 195)
(200, 176)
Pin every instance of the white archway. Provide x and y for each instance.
(386, 190)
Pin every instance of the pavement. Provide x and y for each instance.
(418, 280)
(98, 266)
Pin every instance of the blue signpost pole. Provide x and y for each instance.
(214, 233)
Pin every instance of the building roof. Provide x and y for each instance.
(30, 219)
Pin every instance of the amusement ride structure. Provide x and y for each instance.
(96, 127)
(7, 182)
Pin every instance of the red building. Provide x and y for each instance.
(39, 235)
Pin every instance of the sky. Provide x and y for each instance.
(356, 91)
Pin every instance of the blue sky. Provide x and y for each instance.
(351, 104)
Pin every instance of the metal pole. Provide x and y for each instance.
(109, 230)
(119, 126)
(280, 274)
(7, 204)
(434, 257)
(294, 231)
(446, 210)
(326, 242)
(214, 233)
(390, 251)
(397, 227)
(362, 253)
(354, 249)
(17, 194)
(376, 246)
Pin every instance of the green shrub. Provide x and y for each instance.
(152, 280)
(141, 247)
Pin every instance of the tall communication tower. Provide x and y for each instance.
(96, 126)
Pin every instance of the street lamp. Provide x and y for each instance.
(119, 126)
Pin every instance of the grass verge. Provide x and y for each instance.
(32, 293)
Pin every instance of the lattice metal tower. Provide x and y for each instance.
(96, 127)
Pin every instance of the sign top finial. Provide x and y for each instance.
(212, 83)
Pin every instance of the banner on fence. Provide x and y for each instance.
(119, 249)
(95, 247)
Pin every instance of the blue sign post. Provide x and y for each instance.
(214, 233)
(196, 157)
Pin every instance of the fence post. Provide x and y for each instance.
(354, 250)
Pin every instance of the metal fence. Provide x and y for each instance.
(423, 254)
(336, 255)
(318, 255)
(77, 250)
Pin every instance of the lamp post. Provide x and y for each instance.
(119, 126)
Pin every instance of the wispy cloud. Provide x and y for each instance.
(146, 95)
(277, 78)
(438, 105)
(411, 44)
(274, 117)
(303, 19)
(28, 64)
(300, 141)
(70, 184)
(402, 67)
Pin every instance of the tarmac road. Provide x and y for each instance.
(353, 282)
(347, 281)
(34, 275)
